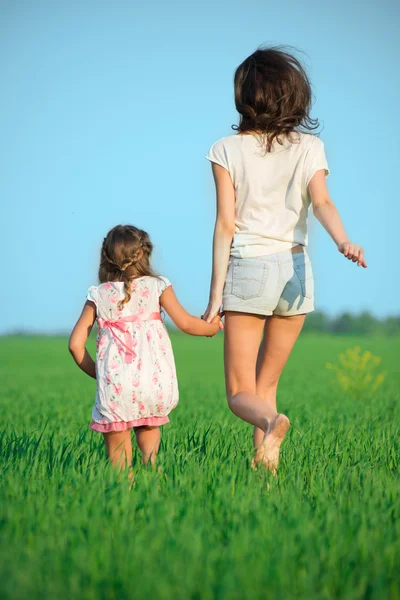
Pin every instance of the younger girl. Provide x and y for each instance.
(134, 369)
(266, 176)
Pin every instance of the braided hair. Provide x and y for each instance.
(125, 256)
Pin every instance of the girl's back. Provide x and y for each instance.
(136, 380)
(271, 189)
(144, 299)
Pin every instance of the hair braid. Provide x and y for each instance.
(125, 256)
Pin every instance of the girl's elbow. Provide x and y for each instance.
(231, 232)
(225, 228)
(322, 202)
(73, 346)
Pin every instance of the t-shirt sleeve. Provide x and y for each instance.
(217, 154)
(162, 284)
(92, 294)
(315, 160)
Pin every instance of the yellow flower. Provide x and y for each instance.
(356, 372)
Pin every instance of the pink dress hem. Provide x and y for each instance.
(124, 425)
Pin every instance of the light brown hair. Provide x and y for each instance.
(125, 256)
(273, 95)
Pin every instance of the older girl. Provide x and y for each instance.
(266, 176)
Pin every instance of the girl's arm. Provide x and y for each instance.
(223, 233)
(183, 320)
(328, 215)
(79, 337)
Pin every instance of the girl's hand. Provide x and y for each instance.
(353, 252)
(212, 310)
(216, 325)
(328, 215)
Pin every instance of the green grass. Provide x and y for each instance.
(207, 526)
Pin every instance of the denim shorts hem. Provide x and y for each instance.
(266, 313)
(294, 313)
(249, 310)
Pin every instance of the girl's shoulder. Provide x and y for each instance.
(309, 140)
(146, 281)
(161, 283)
(227, 139)
(157, 283)
(93, 294)
(304, 140)
(222, 150)
(225, 142)
(97, 293)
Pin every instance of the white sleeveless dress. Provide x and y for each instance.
(135, 367)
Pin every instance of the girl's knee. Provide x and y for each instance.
(146, 428)
(241, 391)
(236, 399)
(148, 438)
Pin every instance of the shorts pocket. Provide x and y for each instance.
(305, 275)
(248, 278)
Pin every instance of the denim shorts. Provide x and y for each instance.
(278, 284)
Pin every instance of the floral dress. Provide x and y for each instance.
(135, 367)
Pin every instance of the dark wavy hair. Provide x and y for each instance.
(273, 96)
(125, 255)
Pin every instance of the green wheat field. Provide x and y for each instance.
(203, 526)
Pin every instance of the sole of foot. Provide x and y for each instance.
(272, 441)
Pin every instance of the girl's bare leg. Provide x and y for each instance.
(148, 440)
(119, 448)
(280, 336)
(243, 334)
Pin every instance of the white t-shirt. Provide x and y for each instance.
(271, 190)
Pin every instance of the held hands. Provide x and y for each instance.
(216, 325)
(212, 314)
(353, 252)
(212, 310)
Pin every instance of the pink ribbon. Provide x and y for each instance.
(123, 326)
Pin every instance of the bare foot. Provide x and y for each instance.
(272, 441)
(258, 457)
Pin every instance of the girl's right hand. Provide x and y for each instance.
(216, 325)
(353, 252)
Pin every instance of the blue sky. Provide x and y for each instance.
(108, 108)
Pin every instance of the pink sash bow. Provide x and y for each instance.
(122, 325)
